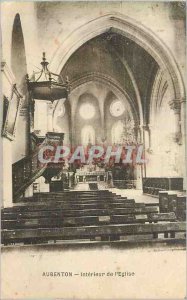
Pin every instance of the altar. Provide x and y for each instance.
(82, 176)
(91, 174)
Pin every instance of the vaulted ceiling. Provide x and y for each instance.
(119, 58)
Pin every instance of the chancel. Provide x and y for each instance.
(93, 124)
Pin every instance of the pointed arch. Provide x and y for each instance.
(114, 86)
(144, 37)
(18, 55)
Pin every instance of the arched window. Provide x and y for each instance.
(18, 57)
(117, 132)
(88, 135)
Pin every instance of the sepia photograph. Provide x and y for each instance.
(93, 157)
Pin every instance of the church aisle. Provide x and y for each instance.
(135, 194)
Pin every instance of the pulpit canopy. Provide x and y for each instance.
(45, 85)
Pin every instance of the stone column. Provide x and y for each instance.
(50, 109)
(176, 106)
(183, 137)
(146, 134)
(137, 134)
(150, 135)
(183, 119)
(179, 108)
(103, 129)
(73, 127)
(144, 129)
(139, 176)
(34, 122)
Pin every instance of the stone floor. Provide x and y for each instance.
(129, 193)
(135, 194)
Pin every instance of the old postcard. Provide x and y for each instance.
(93, 178)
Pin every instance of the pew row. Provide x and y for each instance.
(86, 220)
(105, 232)
(78, 212)
(173, 201)
(79, 205)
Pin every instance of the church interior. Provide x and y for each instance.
(86, 74)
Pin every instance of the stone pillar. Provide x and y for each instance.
(179, 108)
(73, 128)
(137, 133)
(176, 106)
(183, 137)
(50, 109)
(103, 129)
(149, 136)
(138, 175)
(141, 134)
(70, 177)
(32, 117)
(183, 119)
(34, 114)
(146, 135)
(144, 129)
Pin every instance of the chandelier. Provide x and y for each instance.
(45, 85)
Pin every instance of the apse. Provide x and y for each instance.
(117, 58)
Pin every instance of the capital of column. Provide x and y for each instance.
(175, 105)
(145, 127)
(183, 100)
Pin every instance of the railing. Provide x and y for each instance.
(152, 185)
(125, 184)
(26, 170)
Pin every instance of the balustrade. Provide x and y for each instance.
(26, 170)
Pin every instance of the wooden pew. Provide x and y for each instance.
(173, 201)
(71, 199)
(161, 217)
(78, 212)
(152, 185)
(88, 232)
(70, 221)
(53, 205)
(181, 207)
(73, 193)
(87, 220)
(76, 194)
(65, 206)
